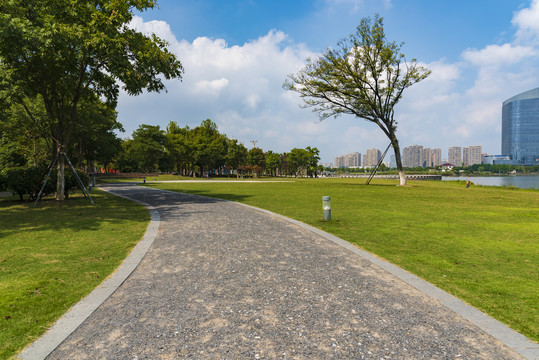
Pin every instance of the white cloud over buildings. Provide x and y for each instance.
(240, 88)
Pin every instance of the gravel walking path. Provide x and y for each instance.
(224, 281)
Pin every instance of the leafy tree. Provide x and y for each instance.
(68, 50)
(273, 162)
(209, 146)
(286, 166)
(148, 147)
(236, 155)
(298, 160)
(178, 146)
(21, 136)
(96, 140)
(364, 76)
(126, 160)
(257, 160)
(10, 154)
(314, 158)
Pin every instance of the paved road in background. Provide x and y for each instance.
(225, 281)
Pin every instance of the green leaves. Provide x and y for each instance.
(364, 76)
(65, 49)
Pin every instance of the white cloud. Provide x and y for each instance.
(527, 21)
(498, 55)
(240, 88)
(159, 28)
(356, 5)
(213, 87)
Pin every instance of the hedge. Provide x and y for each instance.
(28, 181)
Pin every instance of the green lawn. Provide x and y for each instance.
(54, 255)
(480, 244)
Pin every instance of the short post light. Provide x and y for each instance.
(326, 208)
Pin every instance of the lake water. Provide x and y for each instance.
(523, 182)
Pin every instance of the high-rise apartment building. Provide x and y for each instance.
(454, 155)
(426, 157)
(339, 161)
(371, 157)
(412, 156)
(520, 128)
(416, 155)
(352, 160)
(471, 155)
(436, 157)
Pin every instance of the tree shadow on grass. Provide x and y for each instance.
(371, 184)
(201, 196)
(75, 214)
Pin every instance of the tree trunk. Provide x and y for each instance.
(396, 148)
(60, 178)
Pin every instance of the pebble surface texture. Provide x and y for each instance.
(224, 281)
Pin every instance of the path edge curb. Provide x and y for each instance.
(78, 313)
(511, 338)
(501, 332)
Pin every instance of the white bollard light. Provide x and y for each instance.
(326, 207)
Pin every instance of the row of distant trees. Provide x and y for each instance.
(204, 151)
(63, 63)
(200, 151)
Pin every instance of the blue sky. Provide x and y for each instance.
(237, 54)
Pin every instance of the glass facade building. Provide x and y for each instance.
(520, 128)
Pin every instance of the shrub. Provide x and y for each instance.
(72, 183)
(28, 181)
(22, 181)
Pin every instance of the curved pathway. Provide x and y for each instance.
(224, 281)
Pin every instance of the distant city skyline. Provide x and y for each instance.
(237, 54)
(414, 156)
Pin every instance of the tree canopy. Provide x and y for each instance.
(364, 76)
(65, 51)
(204, 151)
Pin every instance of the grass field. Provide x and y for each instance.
(480, 244)
(54, 255)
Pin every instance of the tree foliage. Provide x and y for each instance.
(28, 180)
(65, 51)
(204, 151)
(364, 76)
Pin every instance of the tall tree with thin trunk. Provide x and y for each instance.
(364, 76)
(67, 50)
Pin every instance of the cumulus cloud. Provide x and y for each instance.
(159, 28)
(498, 55)
(355, 5)
(527, 21)
(240, 88)
(213, 87)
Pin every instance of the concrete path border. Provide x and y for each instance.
(516, 341)
(42, 347)
(500, 331)
(71, 320)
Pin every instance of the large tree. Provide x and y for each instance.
(236, 155)
(66, 50)
(94, 134)
(209, 147)
(148, 147)
(178, 146)
(364, 76)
